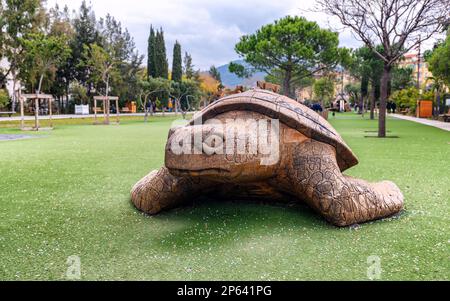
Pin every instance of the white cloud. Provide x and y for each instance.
(208, 29)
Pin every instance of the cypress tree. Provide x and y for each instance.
(177, 68)
(161, 64)
(151, 62)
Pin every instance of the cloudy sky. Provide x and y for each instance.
(208, 29)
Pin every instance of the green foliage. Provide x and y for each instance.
(214, 72)
(101, 65)
(294, 45)
(18, 19)
(439, 61)
(324, 90)
(187, 93)
(161, 64)
(151, 63)
(364, 64)
(402, 78)
(150, 88)
(44, 54)
(277, 76)
(79, 93)
(189, 71)
(4, 98)
(407, 98)
(239, 70)
(354, 91)
(86, 33)
(177, 64)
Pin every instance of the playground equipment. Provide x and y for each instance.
(36, 98)
(106, 108)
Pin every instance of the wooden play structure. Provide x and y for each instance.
(37, 98)
(106, 108)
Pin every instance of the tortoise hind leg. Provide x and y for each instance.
(316, 178)
(160, 190)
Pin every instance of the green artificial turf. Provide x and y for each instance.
(67, 193)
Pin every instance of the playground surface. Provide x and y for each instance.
(68, 195)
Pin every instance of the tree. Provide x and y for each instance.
(402, 78)
(185, 94)
(209, 86)
(324, 90)
(79, 93)
(353, 90)
(151, 53)
(293, 45)
(60, 25)
(86, 33)
(18, 19)
(439, 61)
(177, 68)
(44, 54)
(101, 65)
(120, 46)
(188, 66)
(161, 64)
(148, 88)
(214, 72)
(397, 25)
(277, 77)
(4, 98)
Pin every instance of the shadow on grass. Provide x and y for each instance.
(212, 223)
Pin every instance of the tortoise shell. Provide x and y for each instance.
(287, 111)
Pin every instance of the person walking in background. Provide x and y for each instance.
(170, 105)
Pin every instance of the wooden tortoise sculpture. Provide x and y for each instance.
(310, 157)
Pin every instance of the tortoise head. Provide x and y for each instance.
(219, 152)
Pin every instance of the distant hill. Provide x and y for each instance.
(231, 80)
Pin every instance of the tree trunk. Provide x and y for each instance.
(372, 102)
(14, 98)
(40, 84)
(361, 105)
(287, 83)
(384, 97)
(106, 101)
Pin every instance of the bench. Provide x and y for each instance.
(97, 110)
(125, 110)
(7, 113)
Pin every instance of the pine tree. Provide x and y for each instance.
(214, 72)
(188, 67)
(151, 63)
(86, 33)
(177, 68)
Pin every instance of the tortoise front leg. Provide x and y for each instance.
(316, 178)
(160, 190)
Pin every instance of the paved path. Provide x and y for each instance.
(437, 124)
(112, 116)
